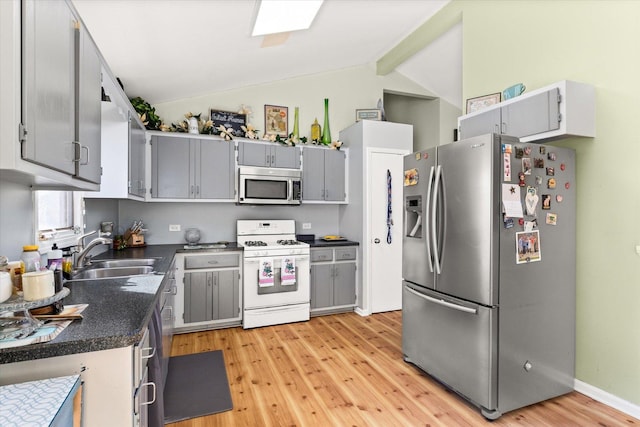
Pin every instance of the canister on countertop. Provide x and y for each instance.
(30, 258)
(54, 261)
(38, 285)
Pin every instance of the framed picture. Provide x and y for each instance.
(235, 121)
(276, 120)
(368, 114)
(481, 102)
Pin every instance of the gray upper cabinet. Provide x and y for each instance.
(48, 102)
(562, 109)
(137, 165)
(190, 168)
(61, 91)
(266, 155)
(89, 110)
(531, 115)
(323, 175)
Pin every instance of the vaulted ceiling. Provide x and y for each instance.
(164, 50)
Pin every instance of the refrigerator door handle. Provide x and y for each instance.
(434, 211)
(427, 228)
(443, 302)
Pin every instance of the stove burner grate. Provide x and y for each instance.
(255, 243)
(287, 242)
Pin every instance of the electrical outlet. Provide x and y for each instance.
(174, 227)
(306, 226)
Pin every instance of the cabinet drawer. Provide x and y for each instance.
(211, 261)
(346, 253)
(321, 255)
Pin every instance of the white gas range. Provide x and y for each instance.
(276, 273)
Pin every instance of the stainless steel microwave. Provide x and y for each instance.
(269, 186)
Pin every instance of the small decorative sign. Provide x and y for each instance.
(276, 120)
(229, 120)
(476, 104)
(368, 114)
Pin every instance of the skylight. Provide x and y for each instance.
(279, 16)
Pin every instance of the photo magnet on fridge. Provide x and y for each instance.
(552, 219)
(546, 201)
(538, 163)
(526, 165)
(528, 247)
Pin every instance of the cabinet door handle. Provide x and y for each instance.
(150, 355)
(273, 160)
(197, 190)
(84, 147)
(504, 127)
(154, 393)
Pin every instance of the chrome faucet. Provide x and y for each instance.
(80, 259)
(80, 242)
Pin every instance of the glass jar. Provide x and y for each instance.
(30, 258)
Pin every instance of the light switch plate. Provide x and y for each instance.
(174, 227)
(306, 226)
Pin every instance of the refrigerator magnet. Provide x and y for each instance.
(538, 179)
(543, 149)
(506, 167)
(410, 177)
(559, 198)
(552, 219)
(551, 183)
(551, 156)
(521, 182)
(526, 165)
(527, 150)
(567, 185)
(531, 201)
(506, 148)
(508, 222)
(519, 153)
(538, 163)
(530, 225)
(546, 201)
(528, 247)
(551, 172)
(562, 166)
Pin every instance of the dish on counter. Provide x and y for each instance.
(331, 238)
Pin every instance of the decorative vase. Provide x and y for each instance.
(315, 131)
(193, 125)
(326, 132)
(296, 133)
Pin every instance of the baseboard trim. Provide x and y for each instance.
(361, 312)
(607, 398)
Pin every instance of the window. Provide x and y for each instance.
(58, 217)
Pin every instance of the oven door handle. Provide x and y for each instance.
(275, 257)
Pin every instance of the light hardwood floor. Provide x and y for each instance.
(347, 370)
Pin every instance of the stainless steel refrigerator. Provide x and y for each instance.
(489, 269)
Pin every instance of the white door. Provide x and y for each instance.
(385, 234)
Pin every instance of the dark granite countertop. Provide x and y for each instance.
(318, 243)
(117, 313)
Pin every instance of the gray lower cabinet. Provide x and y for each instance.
(268, 155)
(61, 93)
(192, 168)
(211, 295)
(527, 116)
(333, 279)
(323, 175)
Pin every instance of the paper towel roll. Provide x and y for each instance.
(37, 285)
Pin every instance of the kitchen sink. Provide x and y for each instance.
(111, 272)
(124, 262)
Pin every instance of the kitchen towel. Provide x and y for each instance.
(288, 271)
(265, 274)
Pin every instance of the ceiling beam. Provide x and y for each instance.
(436, 26)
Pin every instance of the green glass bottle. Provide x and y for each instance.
(296, 133)
(326, 132)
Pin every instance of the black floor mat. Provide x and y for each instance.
(197, 385)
